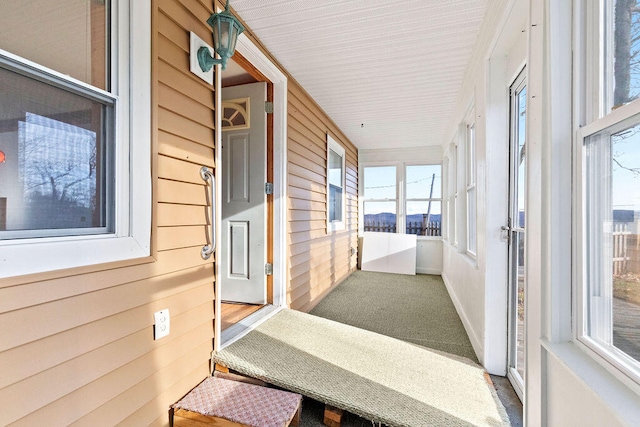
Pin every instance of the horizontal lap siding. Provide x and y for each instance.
(79, 350)
(317, 261)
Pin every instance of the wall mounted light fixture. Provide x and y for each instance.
(226, 29)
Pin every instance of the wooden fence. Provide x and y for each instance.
(431, 228)
(620, 248)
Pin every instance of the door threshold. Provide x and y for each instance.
(243, 327)
(516, 382)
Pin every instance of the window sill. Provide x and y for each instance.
(471, 260)
(336, 229)
(21, 259)
(622, 397)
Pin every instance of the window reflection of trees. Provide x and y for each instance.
(58, 164)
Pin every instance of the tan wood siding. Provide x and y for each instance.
(307, 239)
(317, 261)
(78, 349)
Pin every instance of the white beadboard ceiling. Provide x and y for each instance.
(387, 72)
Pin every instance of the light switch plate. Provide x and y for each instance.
(162, 324)
(195, 44)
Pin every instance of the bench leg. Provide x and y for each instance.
(332, 416)
(295, 421)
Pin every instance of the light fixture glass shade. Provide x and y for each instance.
(226, 29)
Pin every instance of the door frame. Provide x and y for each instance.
(252, 53)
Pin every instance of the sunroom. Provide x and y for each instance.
(153, 213)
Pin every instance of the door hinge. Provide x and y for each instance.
(268, 107)
(268, 188)
(268, 269)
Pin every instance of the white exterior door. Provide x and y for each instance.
(243, 252)
(516, 233)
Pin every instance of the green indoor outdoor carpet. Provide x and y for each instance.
(376, 377)
(416, 309)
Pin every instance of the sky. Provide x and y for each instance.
(626, 183)
(380, 184)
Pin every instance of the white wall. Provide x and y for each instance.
(477, 285)
(429, 256)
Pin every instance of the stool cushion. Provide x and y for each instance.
(241, 403)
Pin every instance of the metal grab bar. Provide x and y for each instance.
(207, 175)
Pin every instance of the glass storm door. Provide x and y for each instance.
(516, 233)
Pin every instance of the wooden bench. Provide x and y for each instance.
(223, 402)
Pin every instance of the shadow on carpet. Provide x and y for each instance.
(416, 309)
(376, 377)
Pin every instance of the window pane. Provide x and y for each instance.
(521, 129)
(613, 226)
(380, 216)
(424, 182)
(424, 218)
(625, 180)
(625, 51)
(56, 162)
(335, 186)
(335, 203)
(471, 154)
(471, 220)
(518, 248)
(335, 169)
(69, 36)
(380, 182)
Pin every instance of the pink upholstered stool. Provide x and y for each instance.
(220, 402)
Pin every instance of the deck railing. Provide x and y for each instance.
(430, 228)
(620, 248)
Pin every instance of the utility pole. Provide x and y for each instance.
(428, 218)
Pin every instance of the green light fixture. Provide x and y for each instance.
(226, 29)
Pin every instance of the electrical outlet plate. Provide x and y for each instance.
(195, 44)
(162, 324)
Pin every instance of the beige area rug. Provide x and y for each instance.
(373, 376)
(416, 309)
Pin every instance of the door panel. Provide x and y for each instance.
(239, 250)
(244, 157)
(237, 148)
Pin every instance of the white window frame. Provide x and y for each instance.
(401, 200)
(363, 201)
(446, 199)
(454, 194)
(334, 146)
(470, 173)
(405, 199)
(624, 115)
(594, 95)
(131, 88)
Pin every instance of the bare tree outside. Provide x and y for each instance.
(625, 180)
(626, 52)
(58, 173)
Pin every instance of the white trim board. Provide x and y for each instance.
(430, 154)
(433, 271)
(259, 60)
(476, 343)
